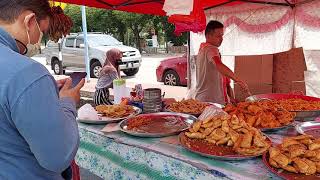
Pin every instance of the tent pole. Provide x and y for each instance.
(188, 62)
(294, 27)
(85, 38)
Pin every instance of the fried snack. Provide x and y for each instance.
(230, 131)
(298, 154)
(261, 114)
(297, 104)
(189, 106)
(115, 111)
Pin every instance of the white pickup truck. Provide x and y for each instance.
(72, 50)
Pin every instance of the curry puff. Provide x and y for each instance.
(300, 154)
(261, 114)
(189, 106)
(232, 132)
(115, 111)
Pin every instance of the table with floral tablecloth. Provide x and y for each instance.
(117, 155)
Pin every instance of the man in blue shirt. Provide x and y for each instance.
(38, 131)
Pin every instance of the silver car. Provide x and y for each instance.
(72, 54)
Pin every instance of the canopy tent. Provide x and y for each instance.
(155, 7)
(252, 26)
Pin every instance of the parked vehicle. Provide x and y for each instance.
(173, 71)
(72, 49)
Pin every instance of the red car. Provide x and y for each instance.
(173, 71)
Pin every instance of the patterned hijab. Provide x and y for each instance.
(112, 56)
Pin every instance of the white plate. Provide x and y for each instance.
(105, 120)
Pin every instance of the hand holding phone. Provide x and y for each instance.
(77, 77)
(71, 92)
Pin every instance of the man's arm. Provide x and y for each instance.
(231, 94)
(225, 71)
(48, 124)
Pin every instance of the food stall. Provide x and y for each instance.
(199, 140)
(196, 140)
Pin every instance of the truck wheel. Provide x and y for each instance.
(131, 72)
(57, 67)
(95, 69)
(171, 78)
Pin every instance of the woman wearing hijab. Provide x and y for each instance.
(108, 73)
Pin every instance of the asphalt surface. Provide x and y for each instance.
(146, 76)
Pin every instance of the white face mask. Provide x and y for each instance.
(34, 49)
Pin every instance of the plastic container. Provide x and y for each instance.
(119, 90)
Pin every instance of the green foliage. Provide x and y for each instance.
(126, 27)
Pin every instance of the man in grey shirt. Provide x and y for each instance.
(211, 72)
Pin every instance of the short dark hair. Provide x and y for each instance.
(11, 9)
(212, 25)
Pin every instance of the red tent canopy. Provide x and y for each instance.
(194, 22)
(155, 6)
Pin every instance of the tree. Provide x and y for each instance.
(136, 22)
(161, 24)
(124, 25)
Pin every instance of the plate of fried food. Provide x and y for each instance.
(224, 137)
(296, 157)
(261, 115)
(157, 124)
(307, 108)
(113, 113)
(190, 106)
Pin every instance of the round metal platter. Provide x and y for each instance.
(304, 127)
(188, 119)
(306, 115)
(220, 152)
(276, 128)
(197, 115)
(105, 120)
(309, 115)
(285, 174)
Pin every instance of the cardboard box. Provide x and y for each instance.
(254, 88)
(288, 67)
(256, 71)
(298, 87)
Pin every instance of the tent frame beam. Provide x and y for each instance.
(287, 3)
(128, 3)
(267, 2)
(304, 2)
(218, 5)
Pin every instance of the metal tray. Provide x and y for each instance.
(105, 120)
(197, 115)
(219, 149)
(189, 119)
(306, 115)
(277, 128)
(300, 115)
(307, 126)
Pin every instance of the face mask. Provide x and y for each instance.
(34, 49)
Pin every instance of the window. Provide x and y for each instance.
(102, 40)
(78, 42)
(51, 44)
(69, 42)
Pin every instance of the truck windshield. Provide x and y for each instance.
(105, 40)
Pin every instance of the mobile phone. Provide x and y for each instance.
(76, 77)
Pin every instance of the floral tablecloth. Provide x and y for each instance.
(118, 156)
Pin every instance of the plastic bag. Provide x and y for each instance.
(212, 111)
(87, 112)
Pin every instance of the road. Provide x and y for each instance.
(146, 76)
